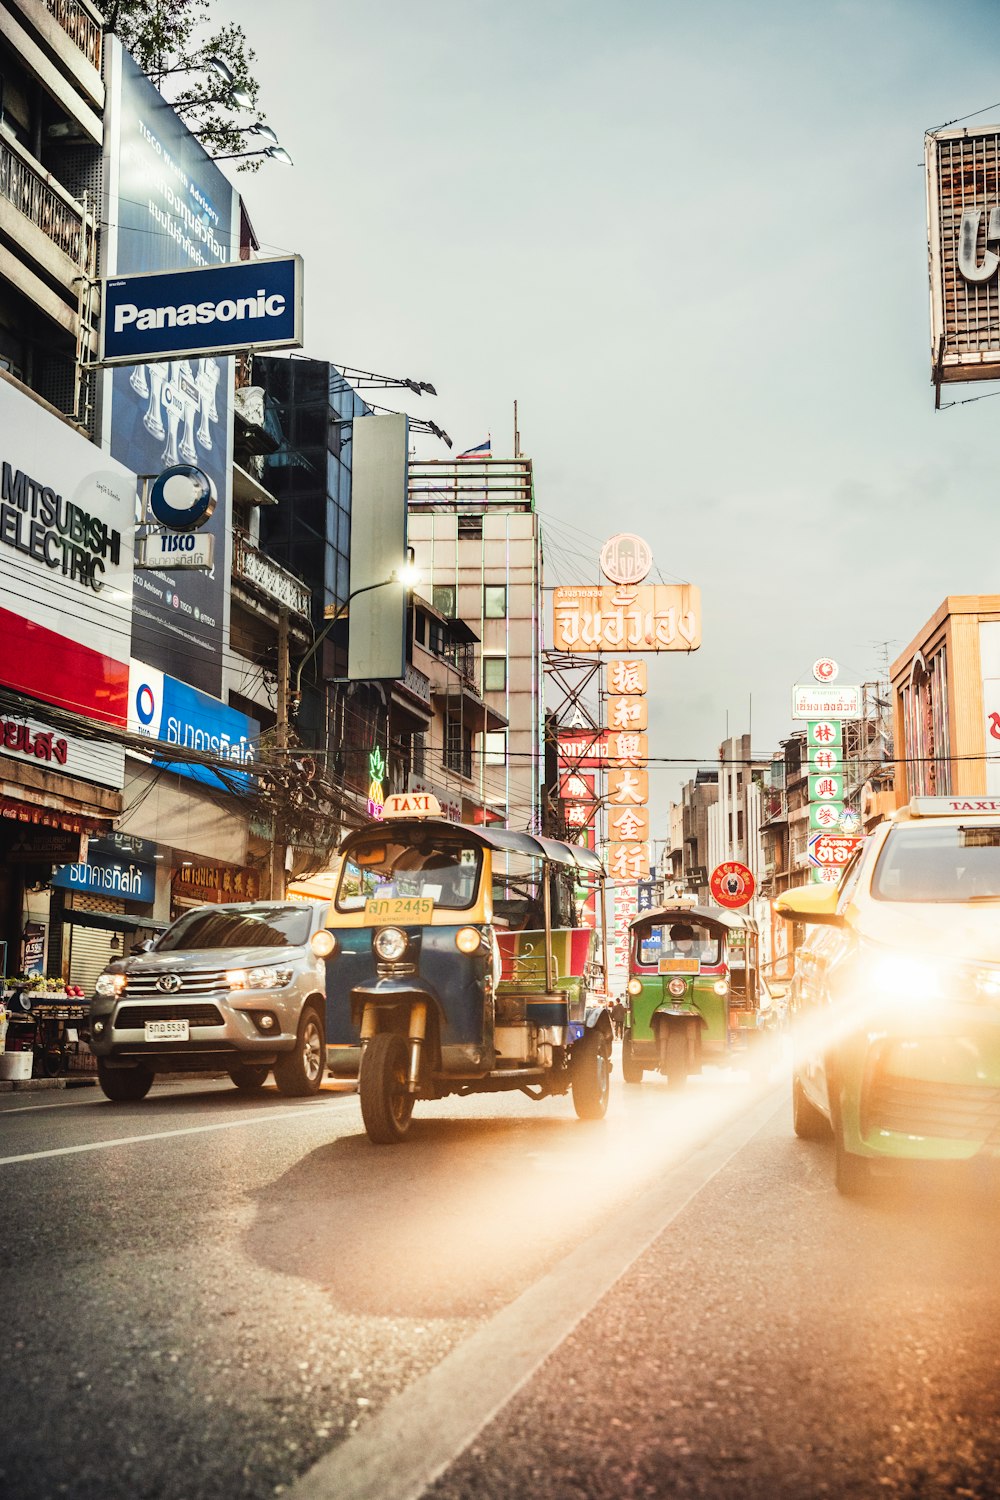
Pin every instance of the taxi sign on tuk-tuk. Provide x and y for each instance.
(411, 805)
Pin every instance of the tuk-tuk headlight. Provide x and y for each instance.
(676, 988)
(468, 939)
(635, 986)
(323, 943)
(389, 943)
(721, 987)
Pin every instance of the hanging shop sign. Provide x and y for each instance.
(963, 238)
(732, 884)
(109, 877)
(626, 824)
(248, 304)
(627, 861)
(585, 748)
(809, 702)
(164, 709)
(376, 786)
(182, 498)
(826, 669)
(827, 815)
(628, 749)
(831, 848)
(577, 787)
(648, 895)
(167, 550)
(821, 758)
(627, 787)
(626, 558)
(627, 676)
(647, 617)
(628, 713)
(826, 788)
(40, 744)
(215, 884)
(825, 734)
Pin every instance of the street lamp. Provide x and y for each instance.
(407, 574)
(276, 153)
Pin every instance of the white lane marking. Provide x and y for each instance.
(262, 1117)
(419, 1433)
(161, 1093)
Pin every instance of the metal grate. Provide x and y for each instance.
(134, 1017)
(194, 982)
(953, 1112)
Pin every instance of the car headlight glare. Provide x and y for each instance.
(468, 940)
(390, 943)
(110, 985)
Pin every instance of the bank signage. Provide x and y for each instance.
(171, 712)
(175, 549)
(98, 875)
(246, 304)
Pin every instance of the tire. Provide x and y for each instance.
(124, 1085)
(300, 1072)
(249, 1078)
(807, 1122)
(675, 1062)
(386, 1104)
(852, 1174)
(590, 1078)
(631, 1070)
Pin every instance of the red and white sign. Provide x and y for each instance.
(67, 527)
(810, 702)
(732, 884)
(831, 848)
(581, 748)
(626, 558)
(826, 669)
(89, 760)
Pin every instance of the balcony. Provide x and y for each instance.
(81, 25)
(268, 579)
(38, 197)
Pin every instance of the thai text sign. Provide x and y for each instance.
(646, 617)
(812, 701)
(831, 848)
(109, 877)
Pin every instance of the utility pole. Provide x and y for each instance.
(281, 746)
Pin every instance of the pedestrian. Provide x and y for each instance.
(618, 1014)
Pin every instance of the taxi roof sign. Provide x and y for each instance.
(411, 805)
(950, 807)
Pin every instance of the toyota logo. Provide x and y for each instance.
(169, 983)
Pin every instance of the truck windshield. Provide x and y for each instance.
(944, 863)
(260, 927)
(439, 869)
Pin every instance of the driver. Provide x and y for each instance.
(682, 938)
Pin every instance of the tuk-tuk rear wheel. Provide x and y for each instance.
(386, 1103)
(590, 1078)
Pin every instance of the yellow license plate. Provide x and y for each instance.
(380, 909)
(678, 966)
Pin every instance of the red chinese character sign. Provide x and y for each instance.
(732, 884)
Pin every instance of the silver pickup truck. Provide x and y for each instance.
(237, 989)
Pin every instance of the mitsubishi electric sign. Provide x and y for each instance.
(248, 304)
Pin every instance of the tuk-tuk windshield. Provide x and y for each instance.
(437, 868)
(678, 940)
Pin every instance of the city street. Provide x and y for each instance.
(210, 1296)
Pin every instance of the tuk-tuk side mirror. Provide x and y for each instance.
(816, 904)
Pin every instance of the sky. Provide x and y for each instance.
(690, 241)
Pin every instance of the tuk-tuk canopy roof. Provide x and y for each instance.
(708, 916)
(505, 840)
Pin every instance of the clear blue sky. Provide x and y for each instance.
(690, 240)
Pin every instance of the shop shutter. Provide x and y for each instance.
(90, 949)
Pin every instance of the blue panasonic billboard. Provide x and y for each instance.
(212, 310)
(171, 712)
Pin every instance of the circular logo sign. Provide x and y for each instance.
(732, 884)
(626, 558)
(826, 669)
(182, 498)
(850, 822)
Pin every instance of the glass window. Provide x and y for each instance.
(443, 599)
(923, 863)
(432, 867)
(258, 926)
(495, 748)
(494, 674)
(495, 601)
(680, 941)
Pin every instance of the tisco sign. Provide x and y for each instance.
(213, 310)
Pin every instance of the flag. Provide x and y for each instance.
(483, 451)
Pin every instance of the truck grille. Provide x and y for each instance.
(192, 982)
(948, 1111)
(134, 1017)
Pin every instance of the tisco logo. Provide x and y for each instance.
(145, 704)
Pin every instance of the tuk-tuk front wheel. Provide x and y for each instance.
(386, 1103)
(590, 1078)
(675, 1056)
(631, 1069)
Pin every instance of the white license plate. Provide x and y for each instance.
(167, 1031)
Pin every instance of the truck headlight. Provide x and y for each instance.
(110, 985)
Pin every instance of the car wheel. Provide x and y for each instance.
(675, 1061)
(124, 1085)
(807, 1121)
(386, 1103)
(852, 1174)
(300, 1071)
(631, 1070)
(590, 1078)
(249, 1078)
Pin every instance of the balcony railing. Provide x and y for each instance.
(269, 577)
(56, 215)
(80, 26)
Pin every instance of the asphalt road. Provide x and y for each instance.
(209, 1296)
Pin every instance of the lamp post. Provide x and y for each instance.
(406, 574)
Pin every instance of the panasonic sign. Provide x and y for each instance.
(216, 310)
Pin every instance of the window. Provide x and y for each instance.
(495, 601)
(495, 748)
(470, 526)
(494, 674)
(443, 599)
